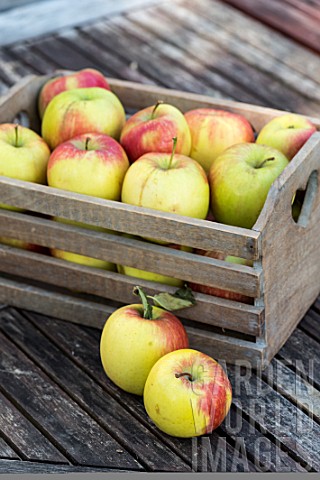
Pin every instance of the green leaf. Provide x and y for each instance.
(170, 302)
(185, 293)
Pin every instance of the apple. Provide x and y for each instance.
(171, 183)
(152, 130)
(92, 164)
(13, 242)
(85, 78)
(187, 393)
(82, 110)
(78, 258)
(23, 155)
(133, 338)
(219, 292)
(152, 276)
(213, 131)
(240, 179)
(286, 133)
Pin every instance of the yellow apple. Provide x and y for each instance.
(187, 393)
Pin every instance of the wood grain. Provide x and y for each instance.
(106, 411)
(291, 254)
(135, 253)
(209, 310)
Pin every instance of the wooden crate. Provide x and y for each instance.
(284, 280)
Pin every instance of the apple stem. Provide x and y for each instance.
(147, 307)
(87, 142)
(159, 102)
(184, 374)
(175, 140)
(16, 135)
(262, 164)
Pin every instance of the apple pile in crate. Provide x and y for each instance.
(206, 164)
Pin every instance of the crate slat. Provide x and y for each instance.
(210, 310)
(130, 219)
(131, 252)
(76, 310)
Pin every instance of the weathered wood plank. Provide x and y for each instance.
(17, 467)
(53, 15)
(135, 253)
(295, 67)
(266, 454)
(31, 444)
(76, 433)
(92, 398)
(294, 264)
(284, 17)
(209, 310)
(276, 416)
(81, 344)
(310, 323)
(6, 451)
(90, 313)
(126, 218)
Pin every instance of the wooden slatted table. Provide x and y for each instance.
(58, 411)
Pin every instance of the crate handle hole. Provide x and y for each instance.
(304, 200)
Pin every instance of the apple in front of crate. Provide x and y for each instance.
(24, 155)
(213, 131)
(219, 292)
(240, 179)
(82, 110)
(85, 78)
(287, 133)
(187, 393)
(167, 182)
(133, 338)
(152, 276)
(92, 164)
(152, 130)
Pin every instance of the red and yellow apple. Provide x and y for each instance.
(287, 133)
(24, 155)
(82, 110)
(13, 242)
(187, 393)
(132, 341)
(219, 292)
(85, 78)
(213, 131)
(152, 130)
(170, 183)
(92, 164)
(240, 179)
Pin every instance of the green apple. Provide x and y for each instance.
(152, 130)
(286, 133)
(170, 183)
(85, 78)
(82, 110)
(23, 155)
(133, 338)
(187, 393)
(213, 131)
(240, 179)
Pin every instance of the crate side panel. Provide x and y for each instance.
(291, 251)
